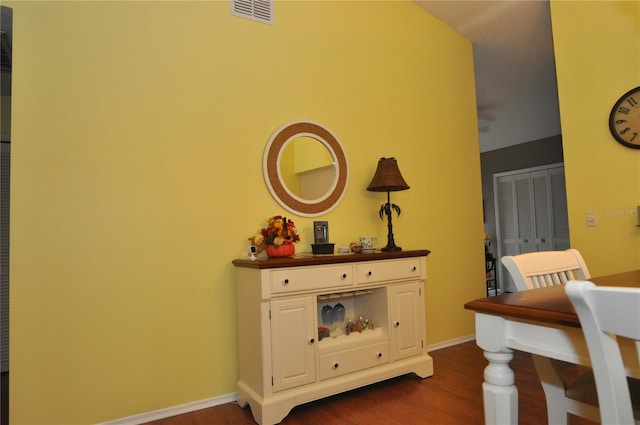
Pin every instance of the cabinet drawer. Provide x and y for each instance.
(378, 271)
(355, 359)
(302, 279)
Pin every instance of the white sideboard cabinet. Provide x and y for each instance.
(372, 305)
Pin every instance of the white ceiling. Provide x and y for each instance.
(516, 86)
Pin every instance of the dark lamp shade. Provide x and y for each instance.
(387, 177)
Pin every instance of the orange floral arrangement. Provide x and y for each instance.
(279, 231)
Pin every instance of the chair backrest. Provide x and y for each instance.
(545, 268)
(605, 312)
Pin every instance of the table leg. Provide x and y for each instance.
(554, 391)
(499, 390)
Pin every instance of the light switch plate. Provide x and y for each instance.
(592, 218)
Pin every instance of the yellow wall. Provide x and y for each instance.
(597, 46)
(310, 154)
(138, 134)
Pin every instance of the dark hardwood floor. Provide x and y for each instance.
(453, 395)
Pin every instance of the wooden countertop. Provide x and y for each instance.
(549, 304)
(313, 260)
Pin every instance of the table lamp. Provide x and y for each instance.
(388, 179)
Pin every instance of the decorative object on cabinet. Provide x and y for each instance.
(321, 232)
(328, 315)
(323, 333)
(624, 120)
(338, 310)
(367, 241)
(281, 250)
(323, 248)
(286, 357)
(388, 179)
(321, 238)
(277, 237)
(365, 246)
(253, 251)
(305, 168)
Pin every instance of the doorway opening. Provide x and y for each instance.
(531, 213)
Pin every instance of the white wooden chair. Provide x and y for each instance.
(605, 313)
(547, 268)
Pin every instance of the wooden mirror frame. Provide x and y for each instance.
(271, 169)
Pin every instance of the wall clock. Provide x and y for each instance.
(624, 120)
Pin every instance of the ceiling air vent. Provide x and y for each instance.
(257, 10)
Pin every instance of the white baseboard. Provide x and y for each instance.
(451, 342)
(173, 411)
(229, 398)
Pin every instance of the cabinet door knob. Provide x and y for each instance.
(286, 281)
(542, 240)
(335, 365)
(379, 355)
(397, 324)
(414, 268)
(311, 341)
(369, 273)
(344, 275)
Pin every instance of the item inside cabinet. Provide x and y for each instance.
(352, 312)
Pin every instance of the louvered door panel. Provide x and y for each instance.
(524, 213)
(542, 210)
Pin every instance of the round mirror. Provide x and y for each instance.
(305, 168)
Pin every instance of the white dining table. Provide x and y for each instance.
(541, 322)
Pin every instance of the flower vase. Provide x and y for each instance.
(285, 250)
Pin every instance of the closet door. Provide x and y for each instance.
(531, 213)
(560, 213)
(542, 211)
(513, 208)
(525, 214)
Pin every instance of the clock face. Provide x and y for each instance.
(624, 121)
